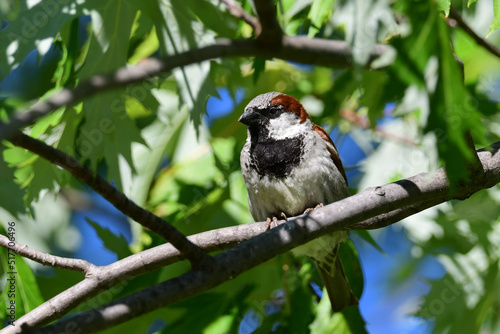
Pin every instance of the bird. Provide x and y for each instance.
(291, 166)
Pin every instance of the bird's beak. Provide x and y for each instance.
(250, 117)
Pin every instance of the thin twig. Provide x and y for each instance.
(364, 123)
(237, 11)
(46, 259)
(455, 15)
(196, 255)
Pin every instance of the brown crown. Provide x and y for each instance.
(290, 103)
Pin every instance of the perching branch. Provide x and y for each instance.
(46, 259)
(106, 277)
(196, 256)
(298, 49)
(366, 210)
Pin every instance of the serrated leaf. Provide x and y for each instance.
(108, 132)
(40, 23)
(179, 30)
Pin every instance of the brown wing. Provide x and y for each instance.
(333, 151)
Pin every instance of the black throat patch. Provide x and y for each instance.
(276, 157)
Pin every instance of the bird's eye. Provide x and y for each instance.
(273, 111)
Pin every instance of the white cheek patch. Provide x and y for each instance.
(287, 126)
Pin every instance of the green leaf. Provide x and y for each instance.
(302, 301)
(327, 322)
(108, 132)
(354, 320)
(116, 244)
(496, 20)
(178, 30)
(471, 2)
(449, 298)
(374, 86)
(444, 6)
(452, 115)
(36, 24)
(352, 267)
(259, 66)
(10, 193)
(21, 286)
(225, 313)
(320, 11)
(366, 236)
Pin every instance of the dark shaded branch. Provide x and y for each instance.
(271, 34)
(455, 15)
(196, 255)
(298, 49)
(235, 9)
(46, 259)
(412, 194)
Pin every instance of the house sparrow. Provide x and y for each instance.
(291, 166)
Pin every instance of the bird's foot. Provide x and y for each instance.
(320, 205)
(274, 222)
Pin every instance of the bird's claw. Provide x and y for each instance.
(320, 205)
(274, 222)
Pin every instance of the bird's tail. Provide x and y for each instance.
(335, 281)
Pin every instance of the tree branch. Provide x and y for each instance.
(104, 278)
(235, 9)
(46, 259)
(298, 49)
(400, 199)
(271, 34)
(455, 15)
(196, 255)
